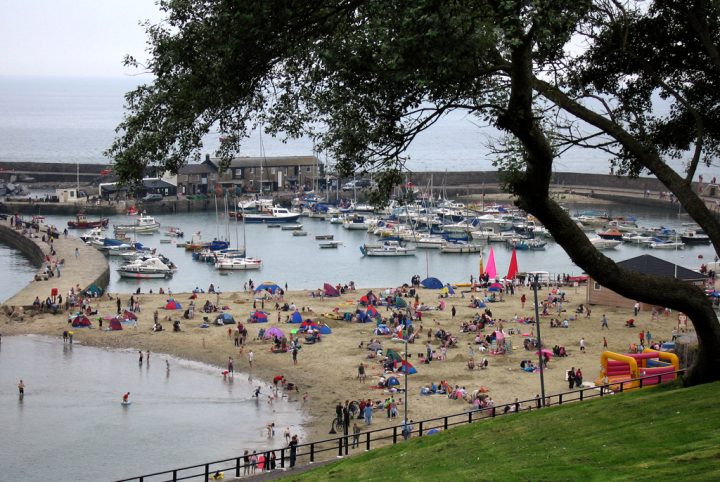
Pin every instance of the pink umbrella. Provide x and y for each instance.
(545, 352)
(499, 335)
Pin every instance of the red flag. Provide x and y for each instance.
(513, 266)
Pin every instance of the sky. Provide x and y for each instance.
(72, 38)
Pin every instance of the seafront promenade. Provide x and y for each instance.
(90, 266)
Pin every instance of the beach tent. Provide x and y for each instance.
(393, 382)
(94, 289)
(129, 315)
(499, 335)
(432, 283)
(400, 303)
(447, 289)
(330, 291)
(411, 369)
(325, 330)
(495, 287)
(296, 318)
(372, 312)
(381, 330)
(362, 316)
(115, 324)
(368, 298)
(274, 331)
(258, 317)
(309, 323)
(271, 287)
(81, 321)
(226, 319)
(391, 354)
(173, 305)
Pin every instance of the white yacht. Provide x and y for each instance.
(243, 264)
(143, 224)
(389, 248)
(601, 243)
(152, 268)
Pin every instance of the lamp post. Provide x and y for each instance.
(540, 349)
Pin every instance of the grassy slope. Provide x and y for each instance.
(661, 434)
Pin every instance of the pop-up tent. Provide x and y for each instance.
(381, 330)
(325, 330)
(368, 298)
(226, 319)
(447, 289)
(393, 382)
(330, 291)
(274, 331)
(94, 290)
(271, 287)
(81, 321)
(372, 312)
(411, 369)
(296, 317)
(400, 303)
(432, 283)
(309, 323)
(173, 305)
(258, 317)
(129, 315)
(391, 354)
(115, 324)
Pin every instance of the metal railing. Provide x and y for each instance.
(342, 444)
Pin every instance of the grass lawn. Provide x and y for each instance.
(665, 433)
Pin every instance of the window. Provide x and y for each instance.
(185, 178)
(308, 169)
(597, 286)
(272, 170)
(286, 171)
(252, 170)
(227, 171)
(212, 176)
(197, 177)
(251, 182)
(238, 172)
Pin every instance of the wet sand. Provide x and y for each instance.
(328, 370)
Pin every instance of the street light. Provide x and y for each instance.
(540, 349)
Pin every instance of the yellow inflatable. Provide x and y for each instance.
(333, 316)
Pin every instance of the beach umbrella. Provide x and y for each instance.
(274, 331)
(499, 335)
(545, 352)
(491, 271)
(513, 266)
(495, 287)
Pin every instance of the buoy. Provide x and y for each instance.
(138, 276)
(700, 256)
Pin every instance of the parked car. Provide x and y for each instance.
(152, 198)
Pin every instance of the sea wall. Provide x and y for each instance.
(89, 266)
(51, 171)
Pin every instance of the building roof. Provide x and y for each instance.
(271, 161)
(157, 184)
(650, 265)
(200, 168)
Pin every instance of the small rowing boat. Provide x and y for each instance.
(300, 233)
(291, 227)
(324, 236)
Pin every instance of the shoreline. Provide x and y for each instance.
(328, 370)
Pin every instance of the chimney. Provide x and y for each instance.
(207, 157)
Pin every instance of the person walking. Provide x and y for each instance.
(70, 335)
(230, 366)
(293, 450)
(21, 387)
(637, 308)
(604, 323)
(368, 414)
(571, 378)
(642, 338)
(604, 343)
(523, 299)
(250, 358)
(356, 436)
(429, 349)
(140, 360)
(119, 306)
(582, 345)
(361, 373)
(77, 253)
(147, 357)
(237, 337)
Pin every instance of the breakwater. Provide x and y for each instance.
(89, 267)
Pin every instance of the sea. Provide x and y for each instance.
(70, 426)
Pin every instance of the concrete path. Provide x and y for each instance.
(89, 267)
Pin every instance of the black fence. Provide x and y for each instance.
(342, 445)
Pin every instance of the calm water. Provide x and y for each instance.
(17, 271)
(73, 120)
(303, 265)
(70, 424)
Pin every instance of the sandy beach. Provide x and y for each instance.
(328, 370)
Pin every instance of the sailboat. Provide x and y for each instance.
(239, 263)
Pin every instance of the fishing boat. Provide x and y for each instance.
(196, 244)
(291, 227)
(274, 215)
(331, 244)
(325, 236)
(174, 232)
(693, 237)
(388, 249)
(82, 222)
(300, 233)
(143, 224)
(152, 268)
(461, 248)
(601, 243)
(611, 234)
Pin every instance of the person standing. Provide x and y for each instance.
(147, 357)
(637, 308)
(578, 378)
(70, 335)
(77, 253)
(582, 345)
(167, 364)
(294, 354)
(368, 414)
(230, 366)
(287, 435)
(604, 343)
(571, 378)
(522, 300)
(237, 337)
(21, 387)
(119, 306)
(356, 436)
(250, 358)
(453, 311)
(429, 348)
(642, 338)
(293, 450)
(140, 360)
(361, 373)
(648, 337)
(604, 323)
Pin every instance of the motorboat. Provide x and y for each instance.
(355, 222)
(637, 238)
(143, 224)
(387, 249)
(601, 243)
(432, 242)
(82, 222)
(93, 234)
(660, 244)
(276, 214)
(239, 264)
(336, 219)
(483, 233)
(331, 244)
(151, 268)
(693, 237)
(461, 248)
(174, 232)
(362, 208)
(611, 234)
(300, 233)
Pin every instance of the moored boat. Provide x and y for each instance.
(143, 224)
(82, 222)
(388, 249)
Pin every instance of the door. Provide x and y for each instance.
(280, 180)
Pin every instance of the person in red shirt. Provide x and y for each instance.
(277, 380)
(642, 337)
(125, 397)
(522, 300)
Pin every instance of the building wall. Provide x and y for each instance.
(607, 297)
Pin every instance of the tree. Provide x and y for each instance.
(363, 77)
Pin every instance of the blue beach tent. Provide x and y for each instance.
(297, 317)
(432, 283)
